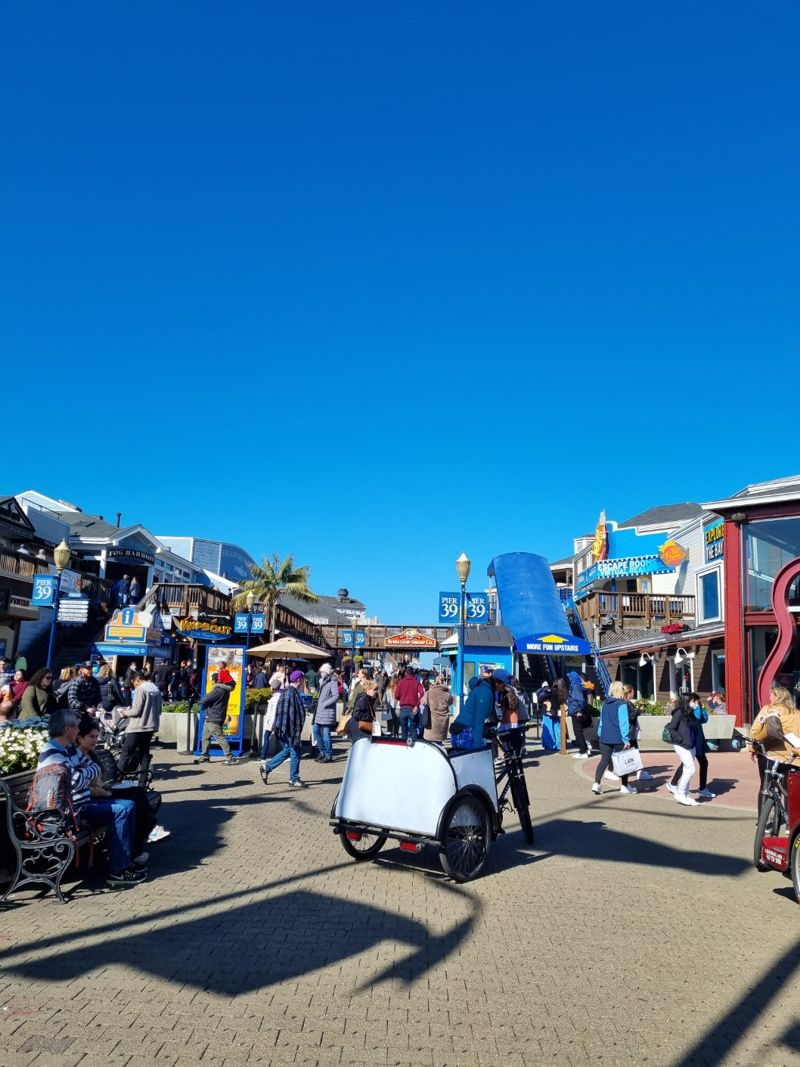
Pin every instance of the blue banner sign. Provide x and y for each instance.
(44, 590)
(477, 608)
(347, 638)
(257, 624)
(241, 623)
(628, 567)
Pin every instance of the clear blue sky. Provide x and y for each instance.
(376, 284)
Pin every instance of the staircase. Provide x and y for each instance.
(602, 678)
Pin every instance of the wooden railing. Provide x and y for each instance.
(17, 565)
(182, 600)
(637, 609)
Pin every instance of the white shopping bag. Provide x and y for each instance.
(626, 761)
(376, 728)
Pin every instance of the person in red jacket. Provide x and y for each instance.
(408, 695)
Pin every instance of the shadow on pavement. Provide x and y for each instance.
(207, 951)
(596, 841)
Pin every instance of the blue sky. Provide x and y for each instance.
(377, 284)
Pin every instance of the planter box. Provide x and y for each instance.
(718, 728)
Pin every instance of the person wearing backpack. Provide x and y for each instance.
(63, 782)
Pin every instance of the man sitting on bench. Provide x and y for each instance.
(117, 816)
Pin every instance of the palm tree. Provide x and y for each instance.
(270, 580)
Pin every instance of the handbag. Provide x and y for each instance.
(376, 729)
(626, 761)
(666, 735)
(343, 724)
(365, 725)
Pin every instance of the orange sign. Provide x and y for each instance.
(410, 639)
(671, 553)
(600, 543)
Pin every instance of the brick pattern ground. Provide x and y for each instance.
(633, 931)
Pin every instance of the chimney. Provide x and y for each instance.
(119, 518)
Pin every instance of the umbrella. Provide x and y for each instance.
(289, 648)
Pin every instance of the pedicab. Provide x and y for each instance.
(419, 794)
(777, 841)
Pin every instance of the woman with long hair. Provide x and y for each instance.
(38, 700)
(698, 716)
(773, 722)
(682, 737)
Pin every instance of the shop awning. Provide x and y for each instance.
(531, 608)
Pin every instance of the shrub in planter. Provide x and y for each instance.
(254, 697)
(180, 707)
(647, 707)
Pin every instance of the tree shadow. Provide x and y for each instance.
(202, 953)
(597, 841)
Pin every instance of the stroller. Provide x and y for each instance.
(113, 727)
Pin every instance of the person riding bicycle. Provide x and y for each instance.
(774, 722)
(466, 731)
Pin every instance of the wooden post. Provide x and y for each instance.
(562, 718)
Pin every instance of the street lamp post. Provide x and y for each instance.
(354, 623)
(463, 565)
(61, 558)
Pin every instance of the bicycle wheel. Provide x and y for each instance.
(362, 845)
(519, 793)
(794, 867)
(769, 825)
(465, 839)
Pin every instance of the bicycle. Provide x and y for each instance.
(512, 741)
(773, 817)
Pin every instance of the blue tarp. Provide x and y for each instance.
(531, 606)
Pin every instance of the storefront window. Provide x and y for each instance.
(708, 596)
(769, 546)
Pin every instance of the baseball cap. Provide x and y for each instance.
(295, 676)
(500, 675)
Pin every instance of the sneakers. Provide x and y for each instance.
(581, 755)
(229, 761)
(597, 788)
(644, 776)
(589, 752)
(264, 772)
(130, 876)
(158, 833)
(202, 759)
(627, 789)
(672, 788)
(688, 802)
(141, 860)
(320, 758)
(611, 776)
(297, 784)
(706, 793)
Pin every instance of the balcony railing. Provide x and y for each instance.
(22, 568)
(637, 609)
(182, 600)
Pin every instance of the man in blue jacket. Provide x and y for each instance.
(466, 731)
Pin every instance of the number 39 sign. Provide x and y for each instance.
(477, 608)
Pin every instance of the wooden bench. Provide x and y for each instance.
(42, 849)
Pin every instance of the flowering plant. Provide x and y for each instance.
(20, 748)
(673, 628)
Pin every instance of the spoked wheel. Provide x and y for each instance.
(794, 867)
(769, 825)
(465, 840)
(519, 791)
(362, 845)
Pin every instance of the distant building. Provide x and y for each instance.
(220, 557)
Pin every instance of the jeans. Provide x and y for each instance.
(686, 756)
(214, 730)
(144, 819)
(702, 762)
(136, 753)
(322, 736)
(290, 751)
(406, 722)
(265, 744)
(118, 816)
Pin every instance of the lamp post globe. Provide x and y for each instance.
(62, 556)
(249, 601)
(463, 564)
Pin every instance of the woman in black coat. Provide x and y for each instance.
(680, 733)
(363, 711)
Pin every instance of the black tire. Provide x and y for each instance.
(367, 846)
(465, 839)
(794, 867)
(769, 825)
(519, 794)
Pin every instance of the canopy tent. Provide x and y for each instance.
(290, 648)
(531, 606)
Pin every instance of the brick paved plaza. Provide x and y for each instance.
(634, 931)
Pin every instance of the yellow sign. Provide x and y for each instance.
(233, 658)
(600, 543)
(206, 627)
(671, 553)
